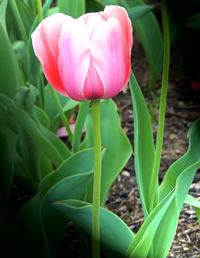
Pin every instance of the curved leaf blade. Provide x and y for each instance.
(114, 233)
(69, 187)
(143, 239)
(8, 66)
(46, 145)
(143, 142)
(181, 173)
(139, 11)
(190, 200)
(37, 219)
(73, 8)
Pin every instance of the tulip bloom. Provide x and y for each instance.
(88, 57)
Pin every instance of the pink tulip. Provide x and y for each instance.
(88, 57)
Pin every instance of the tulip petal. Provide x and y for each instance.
(74, 57)
(122, 16)
(93, 87)
(45, 43)
(107, 51)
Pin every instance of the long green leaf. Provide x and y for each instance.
(189, 158)
(143, 142)
(114, 234)
(181, 173)
(116, 143)
(80, 120)
(73, 8)
(51, 109)
(94, 6)
(67, 181)
(8, 66)
(80, 162)
(69, 187)
(190, 200)
(139, 11)
(194, 21)
(28, 164)
(143, 240)
(34, 65)
(22, 57)
(34, 132)
(3, 7)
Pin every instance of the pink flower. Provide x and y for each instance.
(88, 57)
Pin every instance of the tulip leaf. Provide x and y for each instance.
(180, 173)
(35, 75)
(70, 187)
(194, 21)
(38, 219)
(80, 120)
(21, 53)
(8, 66)
(138, 11)
(53, 10)
(30, 155)
(29, 162)
(142, 242)
(3, 8)
(41, 116)
(80, 162)
(26, 97)
(190, 200)
(73, 8)
(115, 142)
(31, 5)
(114, 233)
(27, 17)
(52, 110)
(94, 6)
(189, 158)
(143, 143)
(44, 139)
(45, 165)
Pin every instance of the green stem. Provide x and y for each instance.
(97, 178)
(80, 119)
(161, 119)
(18, 19)
(62, 114)
(40, 18)
(39, 9)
